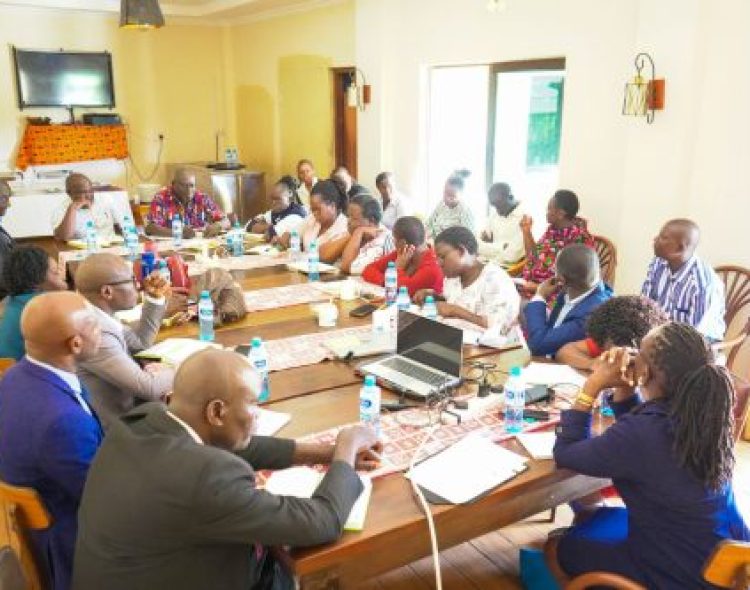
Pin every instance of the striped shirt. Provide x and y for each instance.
(378, 247)
(693, 295)
(444, 217)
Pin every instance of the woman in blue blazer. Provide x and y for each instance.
(670, 453)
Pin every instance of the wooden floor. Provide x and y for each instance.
(491, 562)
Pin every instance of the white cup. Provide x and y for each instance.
(348, 290)
(328, 313)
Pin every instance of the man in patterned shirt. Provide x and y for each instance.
(564, 228)
(196, 209)
(687, 288)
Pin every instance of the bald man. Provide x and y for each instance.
(70, 219)
(189, 515)
(196, 209)
(6, 242)
(687, 288)
(48, 430)
(114, 379)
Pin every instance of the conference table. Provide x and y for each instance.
(326, 395)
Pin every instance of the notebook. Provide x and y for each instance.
(302, 266)
(174, 351)
(270, 422)
(467, 470)
(301, 482)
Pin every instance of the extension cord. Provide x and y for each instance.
(477, 406)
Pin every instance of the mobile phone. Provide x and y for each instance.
(363, 310)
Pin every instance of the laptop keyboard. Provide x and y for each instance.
(415, 371)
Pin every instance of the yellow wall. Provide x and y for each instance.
(281, 73)
(170, 81)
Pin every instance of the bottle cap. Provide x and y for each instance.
(402, 289)
(162, 264)
(429, 299)
(515, 371)
(370, 380)
(256, 342)
(89, 223)
(391, 264)
(205, 295)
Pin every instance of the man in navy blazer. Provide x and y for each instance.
(48, 431)
(581, 292)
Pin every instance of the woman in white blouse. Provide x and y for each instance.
(327, 224)
(482, 294)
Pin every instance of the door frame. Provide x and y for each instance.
(338, 96)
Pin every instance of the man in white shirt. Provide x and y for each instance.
(70, 219)
(114, 379)
(501, 240)
(395, 205)
(369, 239)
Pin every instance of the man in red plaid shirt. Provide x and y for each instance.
(196, 209)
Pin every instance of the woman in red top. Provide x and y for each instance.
(416, 263)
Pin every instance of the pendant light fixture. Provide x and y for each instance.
(140, 14)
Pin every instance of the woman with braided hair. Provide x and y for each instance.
(670, 455)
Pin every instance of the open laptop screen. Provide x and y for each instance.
(430, 343)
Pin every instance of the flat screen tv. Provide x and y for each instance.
(63, 78)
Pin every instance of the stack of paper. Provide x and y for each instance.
(538, 444)
(301, 482)
(302, 266)
(174, 351)
(552, 374)
(468, 469)
(359, 345)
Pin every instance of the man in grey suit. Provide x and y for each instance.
(171, 502)
(112, 377)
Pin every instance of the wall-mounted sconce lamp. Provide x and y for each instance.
(359, 92)
(644, 94)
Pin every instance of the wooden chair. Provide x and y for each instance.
(22, 511)
(729, 565)
(741, 405)
(11, 574)
(737, 313)
(602, 579)
(5, 364)
(607, 259)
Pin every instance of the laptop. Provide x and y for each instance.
(428, 357)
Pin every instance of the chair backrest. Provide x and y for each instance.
(741, 405)
(729, 565)
(22, 510)
(5, 364)
(736, 315)
(607, 259)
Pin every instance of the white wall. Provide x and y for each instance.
(630, 176)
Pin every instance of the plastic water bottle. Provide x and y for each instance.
(369, 403)
(92, 240)
(429, 309)
(131, 243)
(164, 271)
(605, 409)
(259, 359)
(403, 302)
(313, 261)
(238, 243)
(206, 317)
(295, 245)
(515, 399)
(391, 283)
(177, 231)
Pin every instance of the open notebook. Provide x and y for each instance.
(301, 482)
(174, 351)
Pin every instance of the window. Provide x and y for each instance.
(503, 122)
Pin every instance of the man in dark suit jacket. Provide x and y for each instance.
(171, 500)
(6, 242)
(48, 431)
(581, 292)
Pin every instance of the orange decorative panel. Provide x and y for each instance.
(60, 144)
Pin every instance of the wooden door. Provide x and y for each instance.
(345, 121)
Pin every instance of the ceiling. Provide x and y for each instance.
(219, 11)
